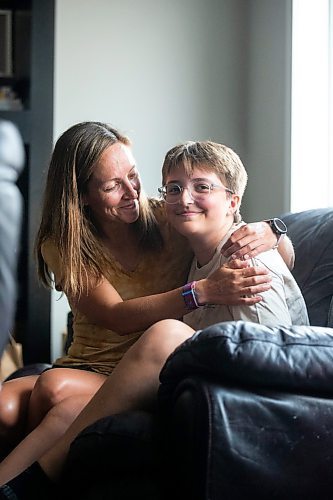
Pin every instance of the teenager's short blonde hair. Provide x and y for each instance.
(212, 157)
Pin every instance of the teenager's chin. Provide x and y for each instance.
(186, 231)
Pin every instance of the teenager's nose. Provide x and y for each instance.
(185, 196)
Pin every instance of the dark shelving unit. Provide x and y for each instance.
(32, 42)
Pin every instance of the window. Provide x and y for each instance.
(312, 105)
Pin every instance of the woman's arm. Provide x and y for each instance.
(252, 239)
(104, 306)
(287, 252)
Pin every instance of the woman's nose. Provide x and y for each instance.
(130, 189)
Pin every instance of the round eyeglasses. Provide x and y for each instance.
(197, 190)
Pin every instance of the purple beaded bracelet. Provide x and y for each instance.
(188, 294)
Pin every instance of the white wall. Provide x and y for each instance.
(166, 71)
(161, 71)
(268, 129)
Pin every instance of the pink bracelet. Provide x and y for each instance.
(189, 296)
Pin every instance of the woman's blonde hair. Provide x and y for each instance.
(68, 223)
(212, 157)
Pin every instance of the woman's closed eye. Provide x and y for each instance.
(112, 187)
(133, 175)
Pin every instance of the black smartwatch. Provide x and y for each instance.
(278, 227)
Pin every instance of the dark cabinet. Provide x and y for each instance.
(26, 99)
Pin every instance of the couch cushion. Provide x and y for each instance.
(311, 232)
(129, 435)
(116, 457)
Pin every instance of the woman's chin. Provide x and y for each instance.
(128, 214)
(129, 217)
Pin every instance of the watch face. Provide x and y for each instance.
(280, 226)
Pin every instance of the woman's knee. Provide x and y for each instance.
(49, 389)
(57, 384)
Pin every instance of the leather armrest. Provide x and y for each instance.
(297, 358)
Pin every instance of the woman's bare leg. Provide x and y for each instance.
(132, 385)
(57, 384)
(59, 395)
(41, 439)
(14, 404)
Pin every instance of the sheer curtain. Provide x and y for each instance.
(312, 105)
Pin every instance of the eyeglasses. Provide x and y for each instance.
(198, 190)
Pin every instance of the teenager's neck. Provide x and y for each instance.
(204, 247)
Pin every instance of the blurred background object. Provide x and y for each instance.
(11, 208)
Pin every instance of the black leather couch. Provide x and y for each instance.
(244, 411)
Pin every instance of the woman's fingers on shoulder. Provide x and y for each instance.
(242, 248)
(257, 276)
(238, 263)
(250, 301)
(255, 271)
(247, 241)
(234, 239)
(246, 269)
(248, 230)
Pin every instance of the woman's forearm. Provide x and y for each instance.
(226, 286)
(286, 250)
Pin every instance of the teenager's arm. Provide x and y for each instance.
(252, 239)
(271, 311)
(104, 306)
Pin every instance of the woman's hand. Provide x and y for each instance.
(252, 239)
(249, 240)
(235, 283)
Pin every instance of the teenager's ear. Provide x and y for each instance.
(234, 203)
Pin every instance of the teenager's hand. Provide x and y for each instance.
(249, 240)
(235, 283)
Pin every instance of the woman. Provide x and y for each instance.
(96, 225)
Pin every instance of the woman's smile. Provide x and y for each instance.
(129, 205)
